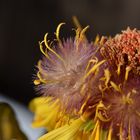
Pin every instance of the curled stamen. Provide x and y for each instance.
(94, 68)
(41, 78)
(42, 50)
(46, 44)
(82, 34)
(58, 32)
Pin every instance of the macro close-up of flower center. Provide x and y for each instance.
(90, 90)
(63, 72)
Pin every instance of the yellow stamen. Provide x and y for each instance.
(110, 134)
(102, 40)
(94, 68)
(41, 79)
(94, 61)
(82, 89)
(84, 104)
(77, 23)
(58, 32)
(98, 115)
(77, 37)
(82, 34)
(46, 44)
(102, 89)
(119, 69)
(97, 40)
(37, 82)
(128, 69)
(77, 31)
(43, 51)
(41, 70)
(97, 135)
(117, 88)
(96, 132)
(107, 76)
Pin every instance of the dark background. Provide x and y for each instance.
(24, 22)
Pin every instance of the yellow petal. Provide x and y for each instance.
(46, 112)
(67, 132)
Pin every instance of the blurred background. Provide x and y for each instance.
(24, 22)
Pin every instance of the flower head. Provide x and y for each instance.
(122, 96)
(64, 70)
(121, 100)
(92, 91)
(125, 48)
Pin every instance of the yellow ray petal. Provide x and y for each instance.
(67, 132)
(47, 113)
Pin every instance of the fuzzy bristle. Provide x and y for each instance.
(64, 79)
